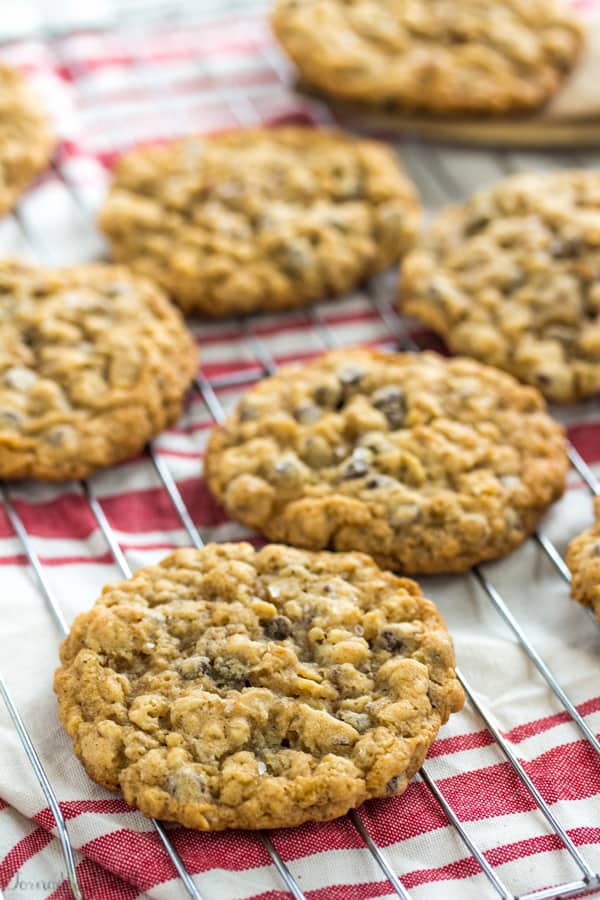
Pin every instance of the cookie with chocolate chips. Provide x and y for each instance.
(260, 219)
(512, 278)
(583, 559)
(427, 464)
(234, 688)
(26, 140)
(483, 57)
(93, 363)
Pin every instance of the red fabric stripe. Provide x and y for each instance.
(96, 884)
(67, 515)
(473, 740)
(140, 859)
(151, 510)
(586, 439)
(21, 853)
(366, 891)
(20, 559)
(456, 870)
(139, 511)
(137, 858)
(460, 742)
(522, 732)
(498, 856)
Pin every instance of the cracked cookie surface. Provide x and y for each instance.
(512, 277)
(427, 464)
(93, 363)
(26, 141)
(234, 688)
(439, 56)
(583, 559)
(264, 219)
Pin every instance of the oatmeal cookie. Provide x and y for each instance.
(264, 219)
(512, 277)
(93, 363)
(484, 57)
(230, 688)
(427, 464)
(26, 141)
(583, 559)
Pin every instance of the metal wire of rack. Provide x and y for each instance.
(208, 389)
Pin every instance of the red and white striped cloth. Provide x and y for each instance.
(108, 91)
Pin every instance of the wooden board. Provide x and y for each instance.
(571, 120)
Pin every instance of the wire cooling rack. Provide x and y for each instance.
(442, 174)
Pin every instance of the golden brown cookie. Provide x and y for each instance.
(483, 57)
(230, 688)
(264, 219)
(26, 141)
(93, 363)
(583, 559)
(428, 464)
(512, 278)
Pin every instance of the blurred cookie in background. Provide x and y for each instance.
(262, 219)
(26, 140)
(93, 363)
(480, 57)
(512, 278)
(583, 559)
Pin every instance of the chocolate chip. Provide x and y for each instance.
(350, 375)
(390, 642)
(404, 514)
(193, 667)
(307, 413)
(316, 452)
(295, 259)
(184, 785)
(9, 419)
(434, 293)
(248, 413)
(285, 472)
(118, 288)
(360, 721)
(356, 468)
(335, 675)
(380, 481)
(328, 395)
(565, 248)
(393, 785)
(277, 628)
(62, 436)
(391, 401)
(477, 223)
(596, 550)
(229, 673)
